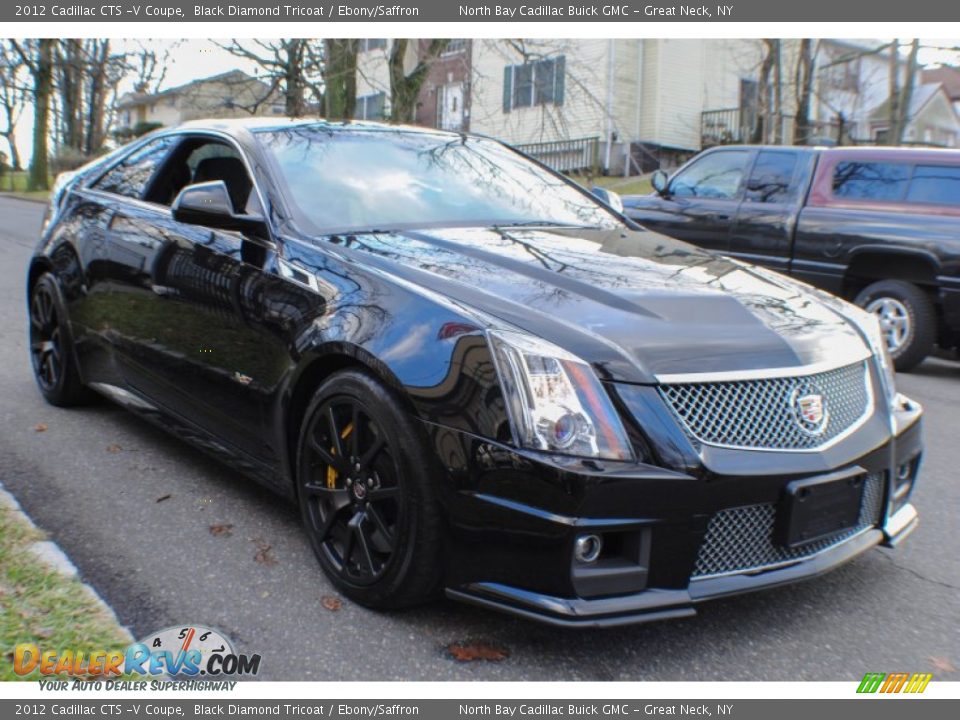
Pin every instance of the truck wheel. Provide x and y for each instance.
(907, 318)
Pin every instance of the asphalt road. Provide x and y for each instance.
(158, 564)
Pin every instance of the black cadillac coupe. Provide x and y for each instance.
(472, 375)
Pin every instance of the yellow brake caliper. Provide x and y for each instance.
(331, 473)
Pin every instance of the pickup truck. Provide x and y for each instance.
(878, 226)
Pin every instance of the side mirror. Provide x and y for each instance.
(660, 182)
(209, 204)
(608, 197)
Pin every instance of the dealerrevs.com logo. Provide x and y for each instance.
(180, 651)
(900, 682)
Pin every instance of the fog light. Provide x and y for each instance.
(586, 548)
(904, 472)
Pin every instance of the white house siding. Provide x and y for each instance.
(585, 91)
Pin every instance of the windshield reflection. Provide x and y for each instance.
(348, 180)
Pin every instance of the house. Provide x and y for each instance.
(230, 94)
(632, 105)
(444, 97)
(949, 77)
(932, 118)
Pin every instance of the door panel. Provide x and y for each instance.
(763, 231)
(701, 202)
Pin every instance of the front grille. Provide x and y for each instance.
(740, 539)
(762, 413)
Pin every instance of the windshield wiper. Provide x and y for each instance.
(543, 223)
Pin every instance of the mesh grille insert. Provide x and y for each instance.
(741, 538)
(764, 413)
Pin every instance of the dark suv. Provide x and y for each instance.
(879, 226)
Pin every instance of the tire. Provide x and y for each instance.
(908, 318)
(367, 493)
(51, 347)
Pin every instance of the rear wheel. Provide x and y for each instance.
(51, 347)
(366, 494)
(907, 318)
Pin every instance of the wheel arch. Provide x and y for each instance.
(312, 371)
(870, 264)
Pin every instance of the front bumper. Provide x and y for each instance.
(514, 518)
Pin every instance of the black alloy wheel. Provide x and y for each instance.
(366, 501)
(51, 347)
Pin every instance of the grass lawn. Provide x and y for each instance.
(39, 605)
(15, 183)
(621, 185)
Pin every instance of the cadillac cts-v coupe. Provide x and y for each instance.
(471, 374)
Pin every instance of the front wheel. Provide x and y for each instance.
(907, 318)
(51, 347)
(367, 495)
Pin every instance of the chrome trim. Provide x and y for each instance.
(763, 373)
(899, 525)
(856, 425)
(759, 569)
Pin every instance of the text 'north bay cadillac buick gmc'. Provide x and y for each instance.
(472, 376)
(877, 226)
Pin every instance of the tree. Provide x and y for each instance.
(292, 67)
(764, 119)
(405, 86)
(804, 89)
(37, 56)
(905, 100)
(13, 100)
(340, 78)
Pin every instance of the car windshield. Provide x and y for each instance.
(349, 180)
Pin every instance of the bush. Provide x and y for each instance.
(67, 159)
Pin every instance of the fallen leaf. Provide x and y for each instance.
(164, 497)
(40, 427)
(221, 529)
(114, 448)
(473, 650)
(331, 602)
(263, 556)
(942, 664)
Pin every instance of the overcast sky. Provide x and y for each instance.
(192, 59)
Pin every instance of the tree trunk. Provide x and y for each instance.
(294, 105)
(762, 125)
(14, 153)
(39, 178)
(777, 93)
(97, 96)
(893, 115)
(906, 94)
(405, 87)
(71, 67)
(803, 130)
(340, 75)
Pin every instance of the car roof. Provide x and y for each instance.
(872, 151)
(235, 126)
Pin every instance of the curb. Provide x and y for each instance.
(53, 556)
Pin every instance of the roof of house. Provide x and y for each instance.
(135, 98)
(922, 94)
(948, 76)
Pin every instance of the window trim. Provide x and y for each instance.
(179, 135)
(751, 154)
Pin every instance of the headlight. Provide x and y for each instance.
(555, 400)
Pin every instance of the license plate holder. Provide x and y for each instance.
(817, 508)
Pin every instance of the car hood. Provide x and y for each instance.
(636, 304)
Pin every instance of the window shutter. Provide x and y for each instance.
(507, 88)
(559, 75)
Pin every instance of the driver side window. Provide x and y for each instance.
(717, 176)
(201, 160)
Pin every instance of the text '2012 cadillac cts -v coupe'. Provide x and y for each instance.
(471, 374)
